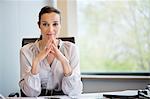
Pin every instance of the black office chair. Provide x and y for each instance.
(30, 40)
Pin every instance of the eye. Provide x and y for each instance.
(45, 24)
(55, 24)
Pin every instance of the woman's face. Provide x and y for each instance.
(50, 25)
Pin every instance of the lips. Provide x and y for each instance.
(49, 34)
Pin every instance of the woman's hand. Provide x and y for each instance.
(42, 54)
(56, 52)
(64, 61)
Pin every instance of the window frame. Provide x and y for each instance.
(72, 7)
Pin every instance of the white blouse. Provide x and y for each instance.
(50, 77)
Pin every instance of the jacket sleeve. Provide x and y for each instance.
(30, 84)
(72, 85)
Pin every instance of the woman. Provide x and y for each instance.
(50, 66)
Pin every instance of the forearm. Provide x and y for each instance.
(35, 68)
(66, 66)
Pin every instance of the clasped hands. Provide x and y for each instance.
(50, 48)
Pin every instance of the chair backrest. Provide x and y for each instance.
(30, 40)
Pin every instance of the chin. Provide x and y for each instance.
(50, 37)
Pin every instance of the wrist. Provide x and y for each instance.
(67, 74)
(35, 61)
(66, 67)
(64, 60)
(34, 69)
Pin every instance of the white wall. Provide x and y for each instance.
(18, 19)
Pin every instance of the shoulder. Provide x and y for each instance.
(28, 48)
(70, 48)
(69, 45)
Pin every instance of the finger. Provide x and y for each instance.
(54, 48)
(50, 45)
(47, 51)
(52, 52)
(47, 44)
(54, 41)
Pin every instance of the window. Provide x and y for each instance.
(114, 35)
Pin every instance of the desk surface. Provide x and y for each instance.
(83, 96)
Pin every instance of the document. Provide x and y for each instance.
(126, 93)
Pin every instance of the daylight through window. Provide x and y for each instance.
(114, 35)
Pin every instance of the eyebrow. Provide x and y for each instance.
(53, 21)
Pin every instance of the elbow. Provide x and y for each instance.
(74, 91)
(30, 93)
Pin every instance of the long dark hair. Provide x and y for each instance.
(47, 9)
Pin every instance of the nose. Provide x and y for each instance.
(51, 28)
